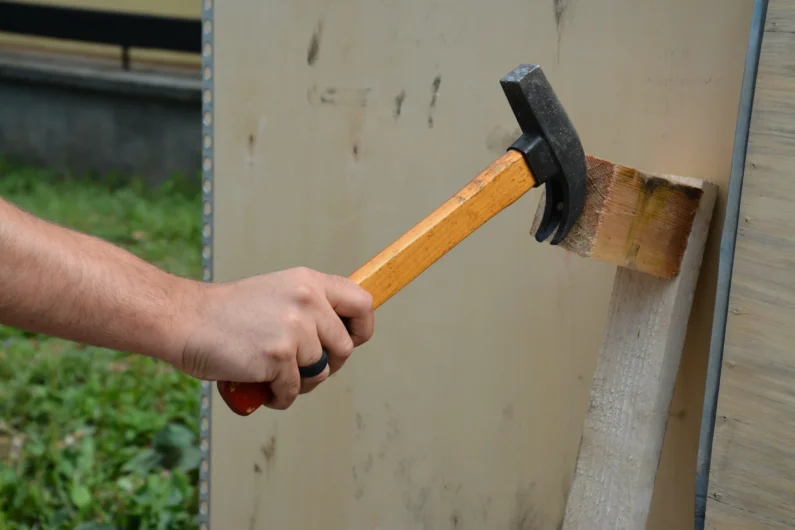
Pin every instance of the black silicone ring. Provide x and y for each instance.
(314, 369)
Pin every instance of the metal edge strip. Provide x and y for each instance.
(208, 227)
(726, 261)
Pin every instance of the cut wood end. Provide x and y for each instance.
(634, 219)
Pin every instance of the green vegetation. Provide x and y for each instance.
(92, 439)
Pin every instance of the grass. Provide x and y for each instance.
(92, 439)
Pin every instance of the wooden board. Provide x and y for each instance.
(752, 476)
(636, 369)
(340, 125)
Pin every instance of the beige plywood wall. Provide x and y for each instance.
(337, 126)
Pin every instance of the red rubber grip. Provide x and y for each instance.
(244, 398)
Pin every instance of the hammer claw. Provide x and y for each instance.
(553, 214)
(551, 148)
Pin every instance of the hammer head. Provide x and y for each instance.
(551, 148)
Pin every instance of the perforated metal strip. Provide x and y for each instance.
(207, 73)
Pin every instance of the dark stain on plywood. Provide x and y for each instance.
(525, 515)
(314, 44)
(359, 473)
(455, 520)
(327, 97)
(399, 99)
(344, 97)
(252, 519)
(417, 499)
(560, 10)
(269, 450)
(437, 81)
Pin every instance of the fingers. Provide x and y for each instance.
(310, 383)
(288, 384)
(344, 299)
(310, 351)
(353, 303)
(335, 338)
(285, 387)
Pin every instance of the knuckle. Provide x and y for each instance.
(283, 351)
(292, 390)
(283, 356)
(260, 369)
(305, 294)
(345, 347)
(292, 318)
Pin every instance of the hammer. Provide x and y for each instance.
(547, 153)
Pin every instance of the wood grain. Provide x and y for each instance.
(634, 219)
(637, 365)
(752, 476)
(494, 189)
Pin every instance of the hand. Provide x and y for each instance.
(261, 329)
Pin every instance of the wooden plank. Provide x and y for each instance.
(657, 218)
(632, 218)
(752, 476)
(466, 409)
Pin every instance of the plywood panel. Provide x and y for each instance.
(752, 477)
(338, 125)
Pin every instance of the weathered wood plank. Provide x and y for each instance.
(647, 322)
(632, 218)
(752, 476)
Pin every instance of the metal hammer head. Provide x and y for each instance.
(550, 146)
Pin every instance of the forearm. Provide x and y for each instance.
(67, 284)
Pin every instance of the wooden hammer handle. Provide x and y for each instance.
(493, 190)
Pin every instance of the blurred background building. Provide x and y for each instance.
(102, 86)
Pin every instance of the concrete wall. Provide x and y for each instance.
(86, 119)
(70, 106)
